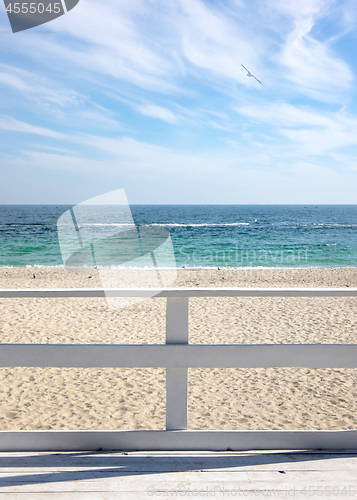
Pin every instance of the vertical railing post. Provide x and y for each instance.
(176, 378)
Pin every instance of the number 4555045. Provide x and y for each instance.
(33, 8)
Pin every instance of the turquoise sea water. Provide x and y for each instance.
(203, 235)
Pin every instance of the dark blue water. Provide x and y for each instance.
(204, 235)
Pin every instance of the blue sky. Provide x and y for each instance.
(150, 96)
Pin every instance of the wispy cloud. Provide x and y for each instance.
(193, 42)
(212, 41)
(42, 90)
(157, 112)
(317, 133)
(310, 64)
(10, 124)
(313, 68)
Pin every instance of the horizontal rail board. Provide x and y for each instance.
(176, 440)
(179, 356)
(179, 292)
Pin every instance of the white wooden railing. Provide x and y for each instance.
(177, 356)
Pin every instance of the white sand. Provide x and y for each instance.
(71, 398)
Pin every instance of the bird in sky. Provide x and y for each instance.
(250, 74)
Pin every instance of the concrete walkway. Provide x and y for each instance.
(138, 475)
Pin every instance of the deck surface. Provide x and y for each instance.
(139, 475)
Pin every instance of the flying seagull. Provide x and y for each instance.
(250, 74)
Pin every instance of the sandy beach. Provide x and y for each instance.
(72, 398)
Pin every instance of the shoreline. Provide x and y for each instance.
(36, 277)
(80, 269)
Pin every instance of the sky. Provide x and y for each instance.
(150, 96)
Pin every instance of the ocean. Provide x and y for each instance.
(202, 235)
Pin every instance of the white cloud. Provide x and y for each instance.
(14, 81)
(44, 95)
(283, 114)
(186, 39)
(212, 41)
(157, 112)
(348, 13)
(310, 64)
(313, 68)
(123, 46)
(59, 150)
(40, 90)
(10, 124)
(190, 42)
(302, 9)
(316, 132)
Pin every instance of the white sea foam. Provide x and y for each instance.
(205, 224)
(37, 266)
(104, 224)
(310, 224)
(163, 224)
